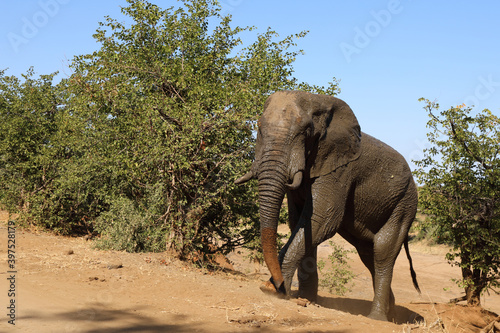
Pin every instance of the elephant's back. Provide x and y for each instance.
(377, 156)
(382, 172)
(381, 180)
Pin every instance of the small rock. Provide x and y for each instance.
(114, 266)
(302, 302)
(69, 252)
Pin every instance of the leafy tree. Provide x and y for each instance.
(460, 174)
(142, 143)
(167, 108)
(27, 111)
(38, 153)
(28, 125)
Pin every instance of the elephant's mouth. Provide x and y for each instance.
(297, 180)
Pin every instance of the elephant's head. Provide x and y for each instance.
(299, 135)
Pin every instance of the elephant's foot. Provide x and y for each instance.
(377, 315)
(384, 310)
(311, 295)
(269, 288)
(308, 288)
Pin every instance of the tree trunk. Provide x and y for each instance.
(474, 286)
(473, 296)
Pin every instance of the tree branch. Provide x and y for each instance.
(169, 119)
(467, 149)
(169, 90)
(458, 299)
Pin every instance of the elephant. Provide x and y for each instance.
(337, 179)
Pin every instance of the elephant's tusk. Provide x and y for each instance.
(297, 180)
(245, 178)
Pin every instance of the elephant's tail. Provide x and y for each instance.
(412, 271)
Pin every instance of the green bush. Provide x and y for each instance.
(127, 227)
(429, 232)
(36, 159)
(338, 279)
(460, 177)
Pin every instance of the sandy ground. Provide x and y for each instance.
(64, 285)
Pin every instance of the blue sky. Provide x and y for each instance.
(386, 54)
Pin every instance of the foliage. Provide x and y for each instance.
(169, 105)
(32, 153)
(338, 279)
(461, 192)
(142, 143)
(128, 228)
(422, 230)
(27, 123)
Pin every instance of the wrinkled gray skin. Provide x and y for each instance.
(337, 180)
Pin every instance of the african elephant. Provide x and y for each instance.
(337, 180)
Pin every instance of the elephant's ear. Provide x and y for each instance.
(339, 135)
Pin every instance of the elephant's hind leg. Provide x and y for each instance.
(387, 244)
(386, 313)
(383, 266)
(368, 260)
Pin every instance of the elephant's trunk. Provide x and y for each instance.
(272, 179)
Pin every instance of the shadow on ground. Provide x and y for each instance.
(362, 307)
(96, 318)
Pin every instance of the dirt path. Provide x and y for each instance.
(64, 285)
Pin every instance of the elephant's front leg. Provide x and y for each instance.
(299, 255)
(300, 244)
(308, 276)
(319, 220)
